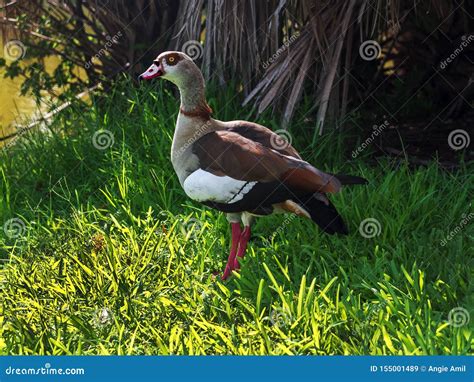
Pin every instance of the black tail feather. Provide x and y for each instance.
(350, 179)
(324, 215)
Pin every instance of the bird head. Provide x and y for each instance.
(176, 67)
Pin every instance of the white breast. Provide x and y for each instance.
(187, 132)
(204, 186)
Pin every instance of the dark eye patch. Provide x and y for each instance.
(172, 59)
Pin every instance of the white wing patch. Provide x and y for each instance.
(204, 186)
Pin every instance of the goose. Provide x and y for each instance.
(241, 168)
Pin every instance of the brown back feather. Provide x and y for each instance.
(229, 153)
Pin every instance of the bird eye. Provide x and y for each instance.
(171, 59)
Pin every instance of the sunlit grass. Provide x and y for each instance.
(114, 259)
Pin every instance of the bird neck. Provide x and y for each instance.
(193, 99)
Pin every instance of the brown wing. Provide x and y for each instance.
(264, 136)
(229, 153)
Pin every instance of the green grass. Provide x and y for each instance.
(114, 259)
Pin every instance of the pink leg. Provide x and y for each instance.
(236, 234)
(244, 239)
